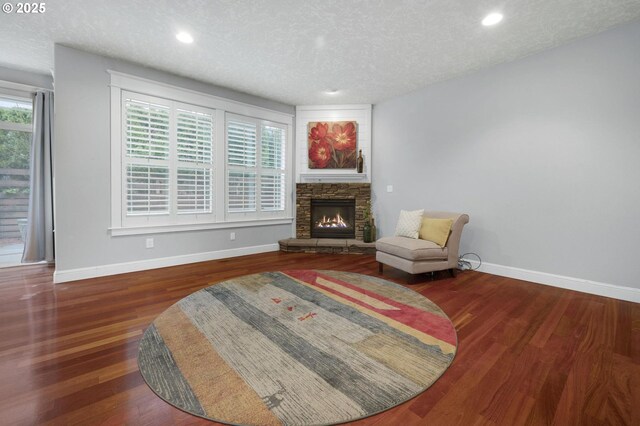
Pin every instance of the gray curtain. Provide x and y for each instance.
(39, 242)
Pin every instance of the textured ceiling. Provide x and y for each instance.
(293, 50)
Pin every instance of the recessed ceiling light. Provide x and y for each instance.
(492, 19)
(184, 37)
(331, 91)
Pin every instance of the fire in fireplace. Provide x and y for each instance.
(333, 218)
(332, 222)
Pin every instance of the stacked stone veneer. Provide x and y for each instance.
(329, 191)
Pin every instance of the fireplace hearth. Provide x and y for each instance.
(333, 218)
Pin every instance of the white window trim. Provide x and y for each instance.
(139, 230)
(173, 217)
(123, 82)
(259, 214)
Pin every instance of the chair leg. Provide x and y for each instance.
(380, 267)
(453, 272)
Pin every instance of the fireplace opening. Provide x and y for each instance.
(333, 218)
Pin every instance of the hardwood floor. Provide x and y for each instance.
(527, 354)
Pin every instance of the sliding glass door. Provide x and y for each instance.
(15, 145)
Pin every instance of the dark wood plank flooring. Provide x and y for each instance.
(528, 353)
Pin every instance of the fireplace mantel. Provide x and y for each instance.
(333, 177)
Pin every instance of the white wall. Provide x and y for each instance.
(310, 113)
(84, 246)
(542, 153)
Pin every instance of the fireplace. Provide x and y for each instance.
(306, 192)
(333, 218)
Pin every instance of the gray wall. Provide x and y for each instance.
(82, 170)
(26, 78)
(542, 153)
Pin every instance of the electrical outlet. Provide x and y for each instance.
(389, 188)
(149, 242)
(232, 236)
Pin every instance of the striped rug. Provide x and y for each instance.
(299, 347)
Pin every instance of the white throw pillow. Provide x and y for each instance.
(409, 223)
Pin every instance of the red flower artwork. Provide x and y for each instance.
(343, 137)
(319, 132)
(319, 154)
(335, 149)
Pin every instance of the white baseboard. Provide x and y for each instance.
(141, 265)
(570, 283)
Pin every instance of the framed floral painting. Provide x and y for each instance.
(332, 144)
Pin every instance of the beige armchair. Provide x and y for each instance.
(417, 256)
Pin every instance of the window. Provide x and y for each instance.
(181, 158)
(256, 167)
(167, 162)
(241, 166)
(15, 150)
(147, 157)
(272, 179)
(195, 162)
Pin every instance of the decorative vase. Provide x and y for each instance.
(360, 162)
(373, 230)
(366, 233)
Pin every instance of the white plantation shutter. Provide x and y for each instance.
(195, 150)
(241, 163)
(272, 181)
(147, 139)
(194, 190)
(147, 190)
(273, 147)
(241, 144)
(195, 137)
(272, 192)
(168, 156)
(241, 192)
(147, 130)
(256, 167)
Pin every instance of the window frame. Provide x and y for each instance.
(258, 169)
(151, 218)
(173, 216)
(9, 126)
(219, 107)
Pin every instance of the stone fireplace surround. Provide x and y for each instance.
(329, 191)
(303, 242)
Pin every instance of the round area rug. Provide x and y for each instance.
(296, 347)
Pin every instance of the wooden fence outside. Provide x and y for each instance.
(14, 202)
